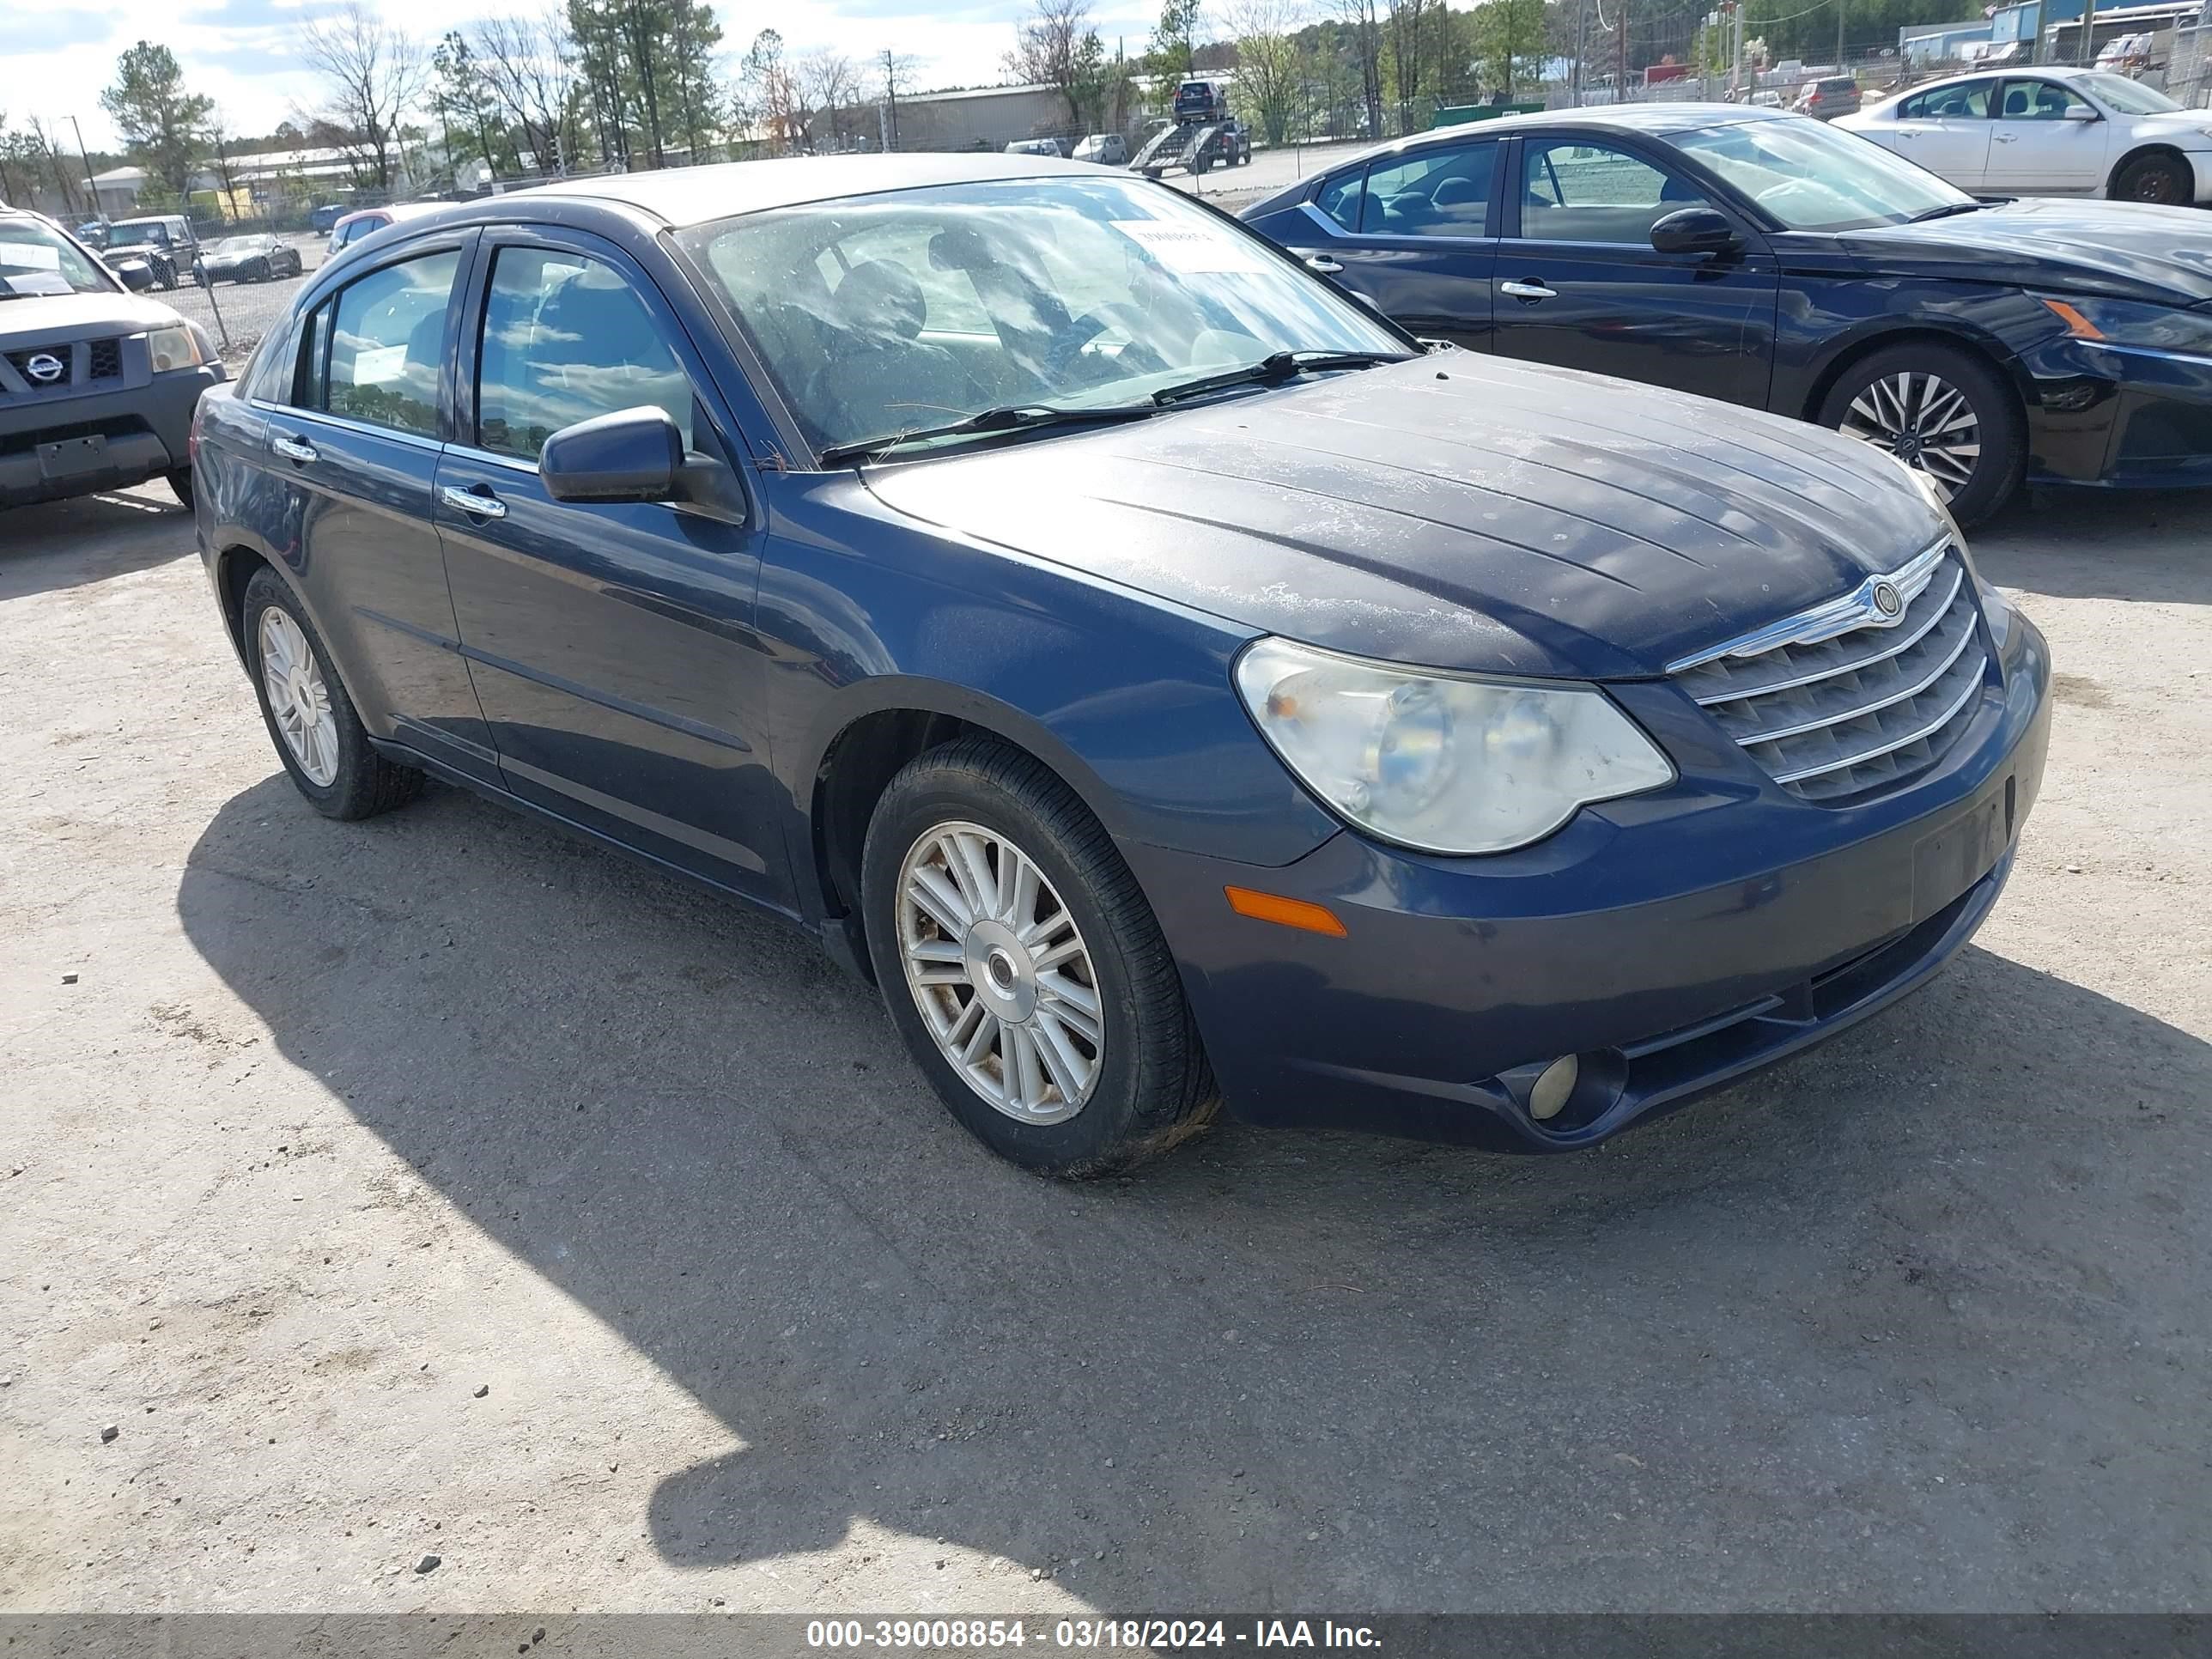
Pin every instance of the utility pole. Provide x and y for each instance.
(1839, 35)
(1582, 48)
(891, 98)
(1621, 95)
(2087, 54)
(85, 155)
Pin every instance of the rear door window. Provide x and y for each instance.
(1441, 191)
(388, 344)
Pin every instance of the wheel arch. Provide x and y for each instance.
(1992, 352)
(2163, 152)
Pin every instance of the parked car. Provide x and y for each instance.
(2052, 131)
(93, 233)
(165, 242)
(1107, 150)
(255, 258)
(366, 222)
(1830, 96)
(97, 384)
(1401, 741)
(1035, 146)
(324, 219)
(1770, 261)
(2127, 54)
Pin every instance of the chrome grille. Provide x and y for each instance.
(1843, 700)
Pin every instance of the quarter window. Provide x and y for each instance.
(1577, 192)
(565, 337)
(388, 344)
(1340, 198)
(1440, 191)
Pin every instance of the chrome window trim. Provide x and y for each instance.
(1825, 621)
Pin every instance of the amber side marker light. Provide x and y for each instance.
(2077, 324)
(1289, 912)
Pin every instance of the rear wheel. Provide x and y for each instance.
(180, 480)
(1941, 410)
(311, 720)
(1023, 968)
(2157, 178)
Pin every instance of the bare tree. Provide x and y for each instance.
(893, 72)
(1270, 73)
(527, 67)
(218, 137)
(1364, 31)
(832, 86)
(375, 72)
(1406, 31)
(1048, 48)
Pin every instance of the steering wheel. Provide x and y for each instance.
(1080, 333)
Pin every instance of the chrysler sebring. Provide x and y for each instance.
(1167, 681)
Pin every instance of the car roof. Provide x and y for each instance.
(690, 196)
(1619, 117)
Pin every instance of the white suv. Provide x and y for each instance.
(2049, 132)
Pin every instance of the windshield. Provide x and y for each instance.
(876, 314)
(139, 230)
(238, 244)
(36, 259)
(1811, 177)
(2129, 97)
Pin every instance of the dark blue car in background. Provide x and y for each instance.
(1170, 683)
(1768, 260)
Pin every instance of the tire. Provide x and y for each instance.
(2160, 180)
(361, 783)
(1147, 1086)
(180, 480)
(1887, 397)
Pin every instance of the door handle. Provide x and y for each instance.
(294, 449)
(1323, 264)
(1532, 289)
(478, 502)
(2005, 137)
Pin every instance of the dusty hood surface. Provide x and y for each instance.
(1502, 518)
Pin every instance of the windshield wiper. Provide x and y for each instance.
(1945, 211)
(1276, 367)
(1010, 417)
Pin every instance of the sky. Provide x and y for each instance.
(55, 57)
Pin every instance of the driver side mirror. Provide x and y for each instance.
(1694, 230)
(2082, 112)
(137, 275)
(631, 455)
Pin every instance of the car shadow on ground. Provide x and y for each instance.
(2146, 544)
(1846, 1330)
(90, 538)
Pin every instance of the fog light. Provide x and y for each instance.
(1555, 1086)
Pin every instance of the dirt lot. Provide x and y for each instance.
(440, 1186)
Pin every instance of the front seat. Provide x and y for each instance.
(878, 374)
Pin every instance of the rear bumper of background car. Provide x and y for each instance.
(2120, 416)
(1672, 943)
(142, 432)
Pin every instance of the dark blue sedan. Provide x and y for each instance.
(1771, 261)
(1167, 681)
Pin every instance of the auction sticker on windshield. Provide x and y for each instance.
(1199, 251)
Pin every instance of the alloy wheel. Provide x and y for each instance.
(1922, 420)
(299, 699)
(1000, 972)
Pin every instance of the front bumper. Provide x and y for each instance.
(64, 446)
(2120, 416)
(1674, 942)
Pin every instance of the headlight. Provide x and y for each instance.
(1443, 762)
(174, 347)
(2126, 323)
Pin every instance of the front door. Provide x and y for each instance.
(1416, 237)
(2047, 137)
(1946, 130)
(355, 439)
(612, 645)
(1579, 284)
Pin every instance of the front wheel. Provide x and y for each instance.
(311, 720)
(1941, 412)
(2160, 180)
(1025, 969)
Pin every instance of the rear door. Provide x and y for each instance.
(1415, 233)
(355, 447)
(1580, 285)
(1946, 130)
(2046, 136)
(612, 645)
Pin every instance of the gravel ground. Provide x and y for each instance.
(441, 1186)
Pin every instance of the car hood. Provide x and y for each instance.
(1453, 511)
(45, 319)
(2123, 249)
